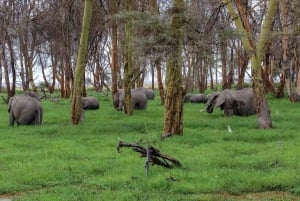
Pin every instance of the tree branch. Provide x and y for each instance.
(152, 154)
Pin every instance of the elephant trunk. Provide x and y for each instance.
(209, 108)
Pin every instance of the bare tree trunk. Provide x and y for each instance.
(77, 110)
(141, 76)
(266, 71)
(113, 10)
(297, 68)
(157, 61)
(243, 60)
(283, 7)
(128, 63)
(152, 77)
(54, 62)
(68, 77)
(264, 118)
(211, 76)
(41, 62)
(160, 82)
(11, 87)
(223, 53)
(173, 116)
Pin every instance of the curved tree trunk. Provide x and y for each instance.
(256, 54)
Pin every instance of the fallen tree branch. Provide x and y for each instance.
(152, 154)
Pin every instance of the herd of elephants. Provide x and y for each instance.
(26, 109)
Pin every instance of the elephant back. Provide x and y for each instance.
(139, 100)
(25, 110)
(90, 103)
(148, 92)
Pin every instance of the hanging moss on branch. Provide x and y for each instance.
(153, 156)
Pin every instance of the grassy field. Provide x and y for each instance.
(61, 162)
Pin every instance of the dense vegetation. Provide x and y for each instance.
(58, 161)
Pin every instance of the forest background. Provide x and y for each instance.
(40, 41)
(217, 41)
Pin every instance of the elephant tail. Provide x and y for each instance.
(39, 116)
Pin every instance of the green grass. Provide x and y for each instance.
(58, 161)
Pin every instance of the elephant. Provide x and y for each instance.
(198, 98)
(90, 103)
(138, 100)
(233, 102)
(187, 98)
(148, 92)
(25, 110)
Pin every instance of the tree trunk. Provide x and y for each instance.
(11, 87)
(223, 54)
(269, 88)
(128, 63)
(296, 63)
(256, 54)
(68, 76)
(243, 60)
(173, 116)
(113, 10)
(157, 60)
(283, 8)
(77, 110)
(160, 82)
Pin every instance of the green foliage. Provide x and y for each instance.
(58, 161)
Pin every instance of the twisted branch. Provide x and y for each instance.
(152, 155)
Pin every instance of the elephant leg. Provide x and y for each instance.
(26, 119)
(228, 111)
(37, 118)
(11, 118)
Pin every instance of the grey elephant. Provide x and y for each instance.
(187, 98)
(198, 98)
(148, 92)
(25, 110)
(138, 100)
(90, 103)
(233, 102)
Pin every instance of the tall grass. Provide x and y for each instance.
(58, 161)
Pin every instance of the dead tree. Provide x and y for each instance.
(153, 156)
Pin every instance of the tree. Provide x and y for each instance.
(112, 5)
(128, 63)
(7, 54)
(173, 115)
(80, 64)
(256, 52)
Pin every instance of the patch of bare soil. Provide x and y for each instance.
(6, 197)
(261, 196)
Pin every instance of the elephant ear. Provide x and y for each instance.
(219, 99)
